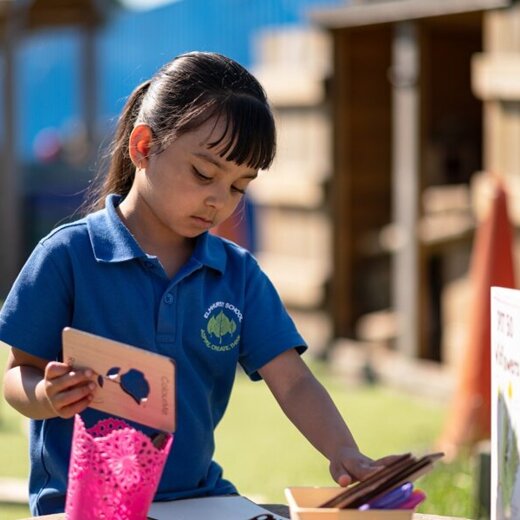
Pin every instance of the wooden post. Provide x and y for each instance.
(494, 76)
(341, 192)
(10, 193)
(405, 185)
(482, 495)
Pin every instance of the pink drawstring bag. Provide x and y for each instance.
(114, 471)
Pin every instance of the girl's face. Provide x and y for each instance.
(188, 188)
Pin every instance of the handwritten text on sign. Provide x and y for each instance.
(504, 327)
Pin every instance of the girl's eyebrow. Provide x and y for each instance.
(212, 159)
(221, 164)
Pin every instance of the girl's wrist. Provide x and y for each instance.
(43, 401)
(345, 449)
(349, 451)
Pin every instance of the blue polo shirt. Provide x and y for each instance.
(218, 311)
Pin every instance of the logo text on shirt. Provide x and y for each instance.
(222, 331)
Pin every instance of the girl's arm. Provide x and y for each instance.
(308, 405)
(41, 390)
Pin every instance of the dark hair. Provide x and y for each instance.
(180, 97)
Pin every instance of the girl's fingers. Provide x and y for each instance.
(384, 461)
(68, 397)
(67, 390)
(344, 480)
(60, 377)
(362, 470)
(55, 369)
(340, 474)
(72, 401)
(72, 409)
(357, 469)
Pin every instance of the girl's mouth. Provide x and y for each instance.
(203, 221)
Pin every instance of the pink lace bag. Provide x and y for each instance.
(114, 471)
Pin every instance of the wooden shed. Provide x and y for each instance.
(17, 19)
(424, 94)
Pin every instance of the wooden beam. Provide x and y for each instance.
(53, 13)
(16, 17)
(342, 287)
(405, 184)
(496, 76)
(10, 202)
(397, 10)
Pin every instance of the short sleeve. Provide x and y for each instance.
(267, 328)
(38, 305)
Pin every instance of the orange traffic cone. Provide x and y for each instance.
(469, 420)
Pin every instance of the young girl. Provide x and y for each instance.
(141, 268)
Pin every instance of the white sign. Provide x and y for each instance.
(505, 404)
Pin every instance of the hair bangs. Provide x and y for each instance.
(249, 135)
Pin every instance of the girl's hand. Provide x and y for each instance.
(350, 465)
(68, 391)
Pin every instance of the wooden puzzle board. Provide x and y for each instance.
(133, 383)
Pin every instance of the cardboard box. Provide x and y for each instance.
(304, 501)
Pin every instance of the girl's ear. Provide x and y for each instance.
(139, 145)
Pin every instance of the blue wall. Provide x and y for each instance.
(131, 46)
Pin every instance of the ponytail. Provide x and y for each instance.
(121, 170)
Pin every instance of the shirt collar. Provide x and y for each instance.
(112, 241)
(210, 251)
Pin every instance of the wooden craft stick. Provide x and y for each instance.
(351, 490)
(408, 475)
(402, 469)
(363, 489)
(411, 472)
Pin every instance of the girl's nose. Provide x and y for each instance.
(217, 198)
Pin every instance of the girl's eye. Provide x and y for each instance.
(238, 190)
(200, 175)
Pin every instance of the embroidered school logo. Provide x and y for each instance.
(222, 331)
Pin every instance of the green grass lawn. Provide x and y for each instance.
(262, 453)
(14, 460)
